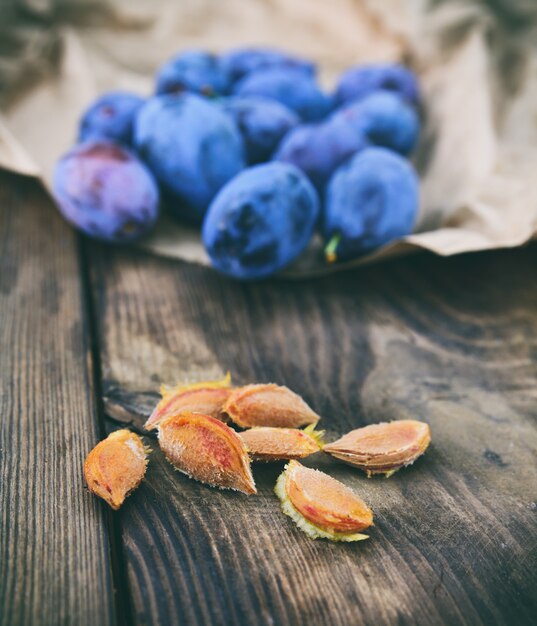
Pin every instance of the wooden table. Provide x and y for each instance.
(89, 331)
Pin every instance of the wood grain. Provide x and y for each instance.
(54, 545)
(451, 342)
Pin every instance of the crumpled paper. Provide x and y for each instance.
(478, 154)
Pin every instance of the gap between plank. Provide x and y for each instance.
(121, 591)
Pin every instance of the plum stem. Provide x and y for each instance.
(331, 248)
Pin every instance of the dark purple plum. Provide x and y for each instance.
(260, 221)
(195, 71)
(244, 61)
(370, 201)
(262, 122)
(363, 80)
(111, 116)
(292, 87)
(193, 148)
(106, 192)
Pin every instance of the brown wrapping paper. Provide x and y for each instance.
(478, 155)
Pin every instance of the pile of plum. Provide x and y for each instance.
(248, 146)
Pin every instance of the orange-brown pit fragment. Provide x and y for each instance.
(116, 466)
(382, 448)
(204, 448)
(265, 443)
(268, 405)
(321, 505)
(206, 397)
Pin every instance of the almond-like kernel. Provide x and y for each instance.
(268, 405)
(205, 397)
(382, 448)
(204, 448)
(116, 466)
(265, 443)
(320, 505)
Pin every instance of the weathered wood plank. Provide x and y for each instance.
(54, 549)
(450, 342)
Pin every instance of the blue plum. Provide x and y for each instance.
(362, 80)
(319, 149)
(111, 116)
(383, 119)
(106, 192)
(243, 61)
(370, 201)
(292, 87)
(195, 71)
(192, 146)
(262, 122)
(260, 221)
